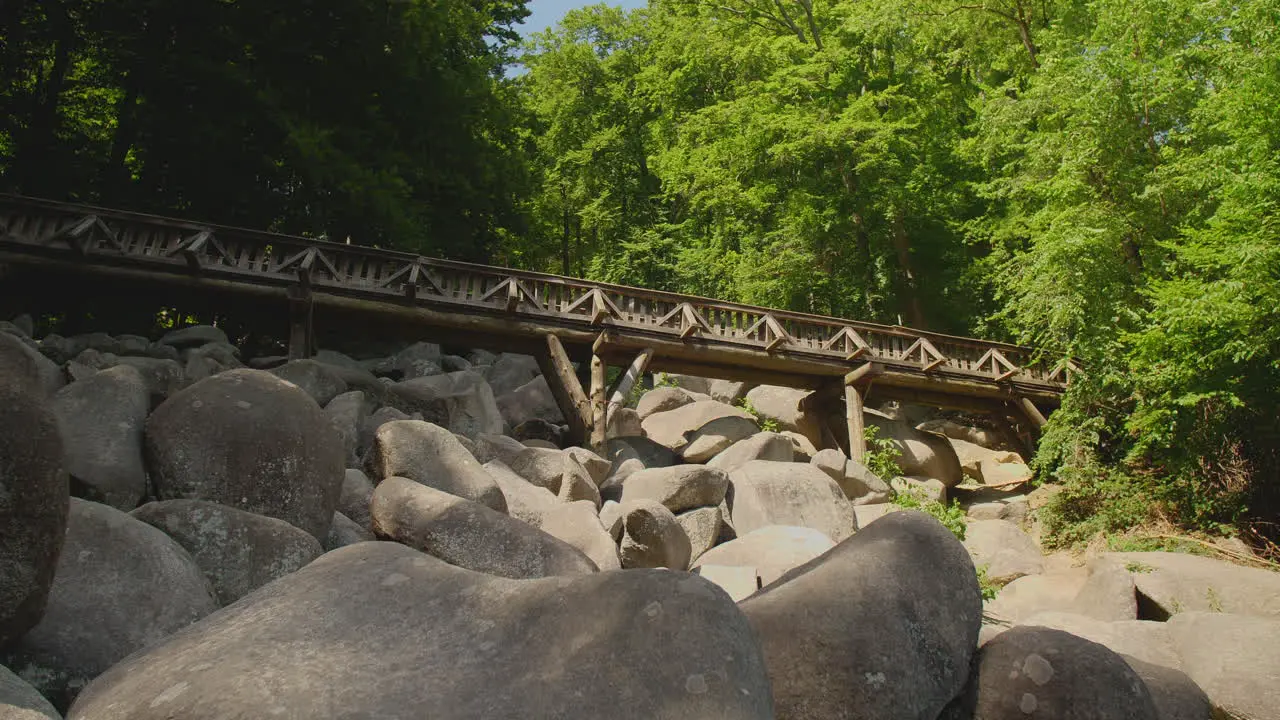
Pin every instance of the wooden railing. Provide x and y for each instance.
(111, 236)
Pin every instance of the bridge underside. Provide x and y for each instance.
(90, 258)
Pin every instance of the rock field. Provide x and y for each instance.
(188, 534)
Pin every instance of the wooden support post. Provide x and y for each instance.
(865, 371)
(598, 417)
(566, 389)
(301, 331)
(631, 377)
(853, 419)
(1032, 412)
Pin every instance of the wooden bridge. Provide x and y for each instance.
(554, 318)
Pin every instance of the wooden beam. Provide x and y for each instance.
(1032, 412)
(598, 416)
(630, 377)
(301, 328)
(863, 372)
(854, 421)
(566, 389)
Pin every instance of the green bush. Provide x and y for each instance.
(951, 516)
(882, 455)
(767, 424)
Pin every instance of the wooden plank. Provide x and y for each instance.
(854, 422)
(301, 330)
(565, 388)
(630, 377)
(598, 406)
(1032, 412)
(863, 372)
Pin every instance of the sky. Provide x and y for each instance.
(545, 13)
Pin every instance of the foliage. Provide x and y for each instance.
(323, 118)
(882, 455)
(988, 587)
(767, 424)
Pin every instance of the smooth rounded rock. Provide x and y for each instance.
(468, 534)
(344, 531)
(249, 440)
(702, 527)
(1006, 551)
(1044, 673)
(20, 701)
(353, 501)
(1176, 696)
(102, 419)
(1235, 659)
(662, 399)
(121, 585)
(469, 405)
(377, 630)
(770, 551)
(764, 493)
(315, 379)
(671, 428)
(577, 524)
(431, 455)
(33, 494)
(651, 537)
(760, 446)
(237, 551)
(679, 488)
(715, 437)
(880, 627)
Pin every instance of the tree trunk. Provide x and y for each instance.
(34, 153)
(564, 233)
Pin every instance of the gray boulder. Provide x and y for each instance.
(663, 399)
(193, 336)
(1108, 593)
(469, 406)
(715, 437)
(727, 391)
(237, 551)
(880, 627)
(316, 379)
(924, 454)
(33, 493)
(1235, 659)
(468, 534)
(353, 501)
(857, 482)
(653, 645)
(651, 536)
(788, 407)
(539, 429)
(769, 552)
(121, 585)
(624, 422)
(497, 447)
(1146, 640)
(764, 493)
(576, 483)
(1045, 673)
(1175, 582)
(376, 419)
(525, 501)
(247, 439)
(348, 412)
(577, 524)
(761, 446)
(164, 378)
(528, 402)
(42, 374)
(344, 531)
(1000, 545)
(510, 371)
(679, 488)
(1176, 696)
(102, 419)
(431, 455)
(418, 360)
(20, 701)
(702, 527)
(671, 428)
(649, 453)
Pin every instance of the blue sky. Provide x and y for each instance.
(545, 13)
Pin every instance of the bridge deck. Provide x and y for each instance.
(513, 308)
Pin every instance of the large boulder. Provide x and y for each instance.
(344, 531)
(318, 380)
(1170, 583)
(1045, 673)
(1176, 696)
(665, 398)
(164, 378)
(623, 422)
(857, 482)
(702, 526)
(1055, 591)
(468, 534)
(511, 371)
(760, 446)
(882, 626)
(983, 437)
(764, 493)
(420, 359)
(247, 439)
(679, 488)
(42, 375)
(431, 455)
(20, 701)
(577, 524)
(1234, 658)
(525, 501)
(769, 552)
(357, 492)
(990, 467)
(120, 586)
(649, 453)
(1146, 640)
(1108, 593)
(531, 401)
(193, 336)
(672, 428)
(789, 408)
(348, 413)
(715, 437)
(237, 551)
(33, 492)
(102, 419)
(1006, 551)
(923, 454)
(651, 537)
(322, 643)
(469, 404)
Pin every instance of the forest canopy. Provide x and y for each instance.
(1099, 179)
